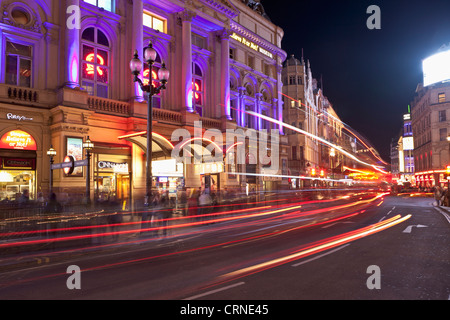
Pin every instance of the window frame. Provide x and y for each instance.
(113, 7)
(154, 16)
(96, 46)
(201, 92)
(19, 58)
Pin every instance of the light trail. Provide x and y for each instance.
(345, 126)
(316, 248)
(284, 208)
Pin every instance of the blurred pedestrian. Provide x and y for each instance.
(438, 195)
(53, 206)
(24, 198)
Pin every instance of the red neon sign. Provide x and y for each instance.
(90, 67)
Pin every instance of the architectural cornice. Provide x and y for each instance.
(222, 6)
(240, 30)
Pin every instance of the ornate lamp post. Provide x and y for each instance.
(163, 75)
(51, 153)
(88, 145)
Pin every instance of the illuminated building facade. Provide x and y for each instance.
(431, 126)
(65, 75)
(306, 108)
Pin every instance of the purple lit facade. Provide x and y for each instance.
(224, 57)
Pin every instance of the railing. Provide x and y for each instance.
(23, 94)
(211, 123)
(107, 105)
(167, 116)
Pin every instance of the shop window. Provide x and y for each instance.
(104, 4)
(197, 88)
(18, 64)
(95, 62)
(155, 22)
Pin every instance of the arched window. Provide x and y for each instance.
(197, 88)
(155, 81)
(95, 64)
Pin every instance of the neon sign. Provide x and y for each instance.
(17, 140)
(251, 45)
(146, 74)
(90, 67)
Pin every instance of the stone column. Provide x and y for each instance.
(137, 43)
(72, 44)
(186, 65)
(225, 73)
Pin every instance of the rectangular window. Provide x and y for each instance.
(233, 53)
(199, 41)
(294, 152)
(441, 97)
(442, 116)
(18, 64)
(251, 61)
(153, 21)
(292, 80)
(105, 4)
(443, 134)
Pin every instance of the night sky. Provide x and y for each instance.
(369, 76)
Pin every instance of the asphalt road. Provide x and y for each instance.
(388, 248)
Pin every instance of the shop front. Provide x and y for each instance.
(17, 165)
(112, 178)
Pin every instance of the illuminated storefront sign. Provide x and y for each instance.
(12, 116)
(117, 167)
(17, 140)
(251, 45)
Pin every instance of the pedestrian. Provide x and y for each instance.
(115, 217)
(438, 195)
(192, 203)
(53, 206)
(204, 201)
(445, 198)
(24, 198)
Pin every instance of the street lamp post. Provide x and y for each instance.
(51, 153)
(88, 145)
(163, 75)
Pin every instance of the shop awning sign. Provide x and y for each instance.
(17, 140)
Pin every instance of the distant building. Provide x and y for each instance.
(431, 127)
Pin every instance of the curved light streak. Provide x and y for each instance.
(281, 123)
(345, 126)
(327, 244)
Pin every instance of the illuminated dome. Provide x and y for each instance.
(292, 61)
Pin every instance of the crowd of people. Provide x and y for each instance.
(442, 196)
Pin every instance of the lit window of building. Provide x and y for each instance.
(18, 64)
(197, 88)
(95, 62)
(153, 21)
(104, 4)
(441, 97)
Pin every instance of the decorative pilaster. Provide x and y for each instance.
(186, 66)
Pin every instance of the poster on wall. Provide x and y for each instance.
(75, 149)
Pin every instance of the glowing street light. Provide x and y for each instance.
(150, 55)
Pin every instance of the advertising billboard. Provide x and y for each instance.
(436, 68)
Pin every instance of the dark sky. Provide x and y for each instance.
(368, 75)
